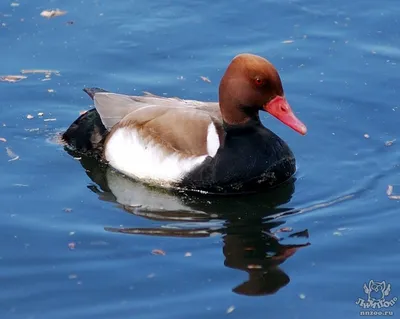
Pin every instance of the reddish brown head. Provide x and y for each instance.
(250, 84)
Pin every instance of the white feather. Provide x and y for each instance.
(127, 152)
(212, 140)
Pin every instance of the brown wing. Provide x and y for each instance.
(113, 107)
(180, 130)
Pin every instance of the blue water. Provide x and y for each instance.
(78, 241)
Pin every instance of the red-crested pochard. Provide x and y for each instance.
(184, 144)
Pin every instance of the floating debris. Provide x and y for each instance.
(158, 252)
(70, 22)
(2, 139)
(205, 79)
(337, 233)
(72, 276)
(52, 13)
(390, 143)
(14, 4)
(188, 254)
(302, 296)
(230, 309)
(366, 135)
(11, 154)
(12, 78)
(50, 90)
(29, 117)
(389, 190)
(287, 41)
(67, 210)
(32, 129)
(41, 71)
(49, 120)
(40, 114)
(71, 246)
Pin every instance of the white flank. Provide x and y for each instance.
(127, 152)
(212, 140)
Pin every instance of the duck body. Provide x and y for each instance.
(252, 157)
(183, 144)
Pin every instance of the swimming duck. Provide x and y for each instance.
(218, 147)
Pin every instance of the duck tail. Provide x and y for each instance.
(87, 133)
(92, 91)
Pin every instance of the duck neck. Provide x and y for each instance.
(251, 123)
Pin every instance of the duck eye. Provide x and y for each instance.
(258, 81)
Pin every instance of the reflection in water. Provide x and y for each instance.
(244, 222)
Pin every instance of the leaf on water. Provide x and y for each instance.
(158, 252)
(52, 13)
(205, 79)
(287, 41)
(2, 139)
(11, 154)
(390, 143)
(12, 78)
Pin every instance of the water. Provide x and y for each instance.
(77, 244)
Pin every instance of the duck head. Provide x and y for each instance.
(252, 84)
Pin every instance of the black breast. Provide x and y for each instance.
(86, 134)
(252, 157)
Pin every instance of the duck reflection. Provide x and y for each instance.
(244, 222)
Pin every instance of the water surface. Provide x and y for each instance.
(77, 239)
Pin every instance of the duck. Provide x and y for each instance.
(208, 147)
